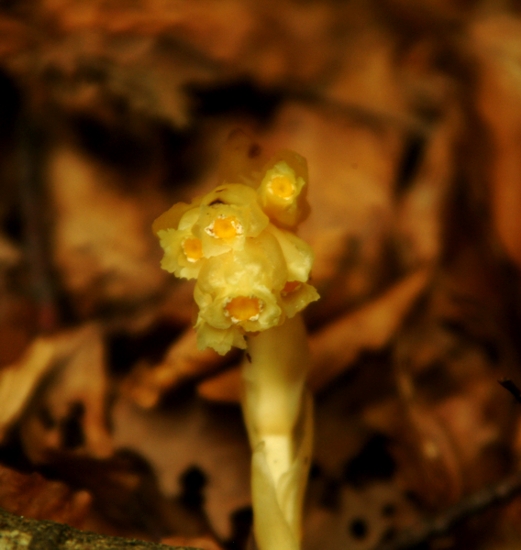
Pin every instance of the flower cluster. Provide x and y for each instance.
(252, 271)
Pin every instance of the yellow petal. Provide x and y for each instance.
(170, 219)
(297, 298)
(297, 253)
(221, 340)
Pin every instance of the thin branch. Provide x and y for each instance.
(512, 387)
(500, 493)
(33, 209)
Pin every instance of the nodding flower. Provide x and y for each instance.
(252, 272)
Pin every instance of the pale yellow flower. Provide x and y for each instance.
(251, 274)
(211, 225)
(228, 216)
(183, 250)
(238, 292)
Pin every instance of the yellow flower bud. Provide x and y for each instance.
(282, 192)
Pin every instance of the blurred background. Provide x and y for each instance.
(409, 114)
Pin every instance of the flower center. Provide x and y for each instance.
(224, 227)
(193, 249)
(282, 187)
(289, 287)
(243, 308)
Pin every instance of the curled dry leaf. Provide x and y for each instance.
(479, 424)
(58, 391)
(427, 460)
(182, 362)
(224, 388)
(338, 344)
(191, 434)
(434, 469)
(421, 210)
(68, 412)
(452, 446)
(454, 428)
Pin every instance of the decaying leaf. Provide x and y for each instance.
(498, 50)
(58, 392)
(182, 362)
(362, 519)
(33, 496)
(101, 244)
(370, 328)
(191, 434)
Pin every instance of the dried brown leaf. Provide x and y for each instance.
(421, 211)
(190, 434)
(58, 386)
(224, 388)
(33, 496)
(183, 361)
(19, 380)
(338, 344)
(496, 43)
(103, 245)
(360, 521)
(68, 412)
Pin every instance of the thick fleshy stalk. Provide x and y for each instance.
(278, 413)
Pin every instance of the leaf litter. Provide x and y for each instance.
(408, 115)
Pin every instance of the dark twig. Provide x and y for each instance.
(441, 525)
(34, 214)
(511, 386)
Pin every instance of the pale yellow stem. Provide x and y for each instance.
(277, 412)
